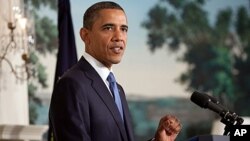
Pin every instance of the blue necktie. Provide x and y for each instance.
(114, 89)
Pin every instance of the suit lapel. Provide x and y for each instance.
(127, 118)
(103, 92)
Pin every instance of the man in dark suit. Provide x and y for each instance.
(87, 104)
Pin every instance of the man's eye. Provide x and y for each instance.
(108, 28)
(125, 29)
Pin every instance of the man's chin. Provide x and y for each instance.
(116, 59)
(116, 62)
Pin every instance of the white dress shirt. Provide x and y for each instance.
(102, 70)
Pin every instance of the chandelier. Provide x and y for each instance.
(16, 44)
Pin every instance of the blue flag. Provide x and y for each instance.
(66, 56)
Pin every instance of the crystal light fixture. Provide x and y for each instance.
(17, 42)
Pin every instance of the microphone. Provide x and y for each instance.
(207, 101)
(227, 117)
(213, 99)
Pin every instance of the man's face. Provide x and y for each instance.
(106, 41)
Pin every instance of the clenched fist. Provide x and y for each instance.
(168, 128)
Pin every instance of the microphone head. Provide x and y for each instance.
(213, 99)
(200, 99)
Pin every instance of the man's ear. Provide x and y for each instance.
(84, 33)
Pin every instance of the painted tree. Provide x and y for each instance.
(216, 53)
(46, 42)
(242, 60)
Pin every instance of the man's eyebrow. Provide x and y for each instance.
(124, 26)
(110, 24)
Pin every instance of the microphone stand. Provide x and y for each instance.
(230, 119)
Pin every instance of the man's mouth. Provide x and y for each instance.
(117, 49)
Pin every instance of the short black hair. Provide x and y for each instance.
(92, 12)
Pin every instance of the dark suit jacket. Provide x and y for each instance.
(82, 108)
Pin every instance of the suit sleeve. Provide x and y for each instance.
(65, 112)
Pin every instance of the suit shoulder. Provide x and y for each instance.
(74, 74)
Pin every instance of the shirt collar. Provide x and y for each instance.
(102, 70)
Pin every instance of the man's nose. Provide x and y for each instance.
(118, 35)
